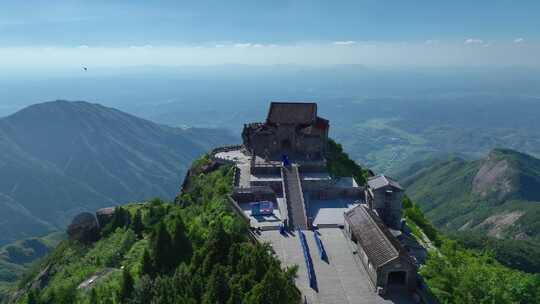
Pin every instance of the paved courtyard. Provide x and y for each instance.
(341, 279)
(329, 212)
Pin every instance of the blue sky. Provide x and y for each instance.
(211, 32)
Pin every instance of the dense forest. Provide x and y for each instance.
(193, 251)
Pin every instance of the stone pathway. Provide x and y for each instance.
(340, 280)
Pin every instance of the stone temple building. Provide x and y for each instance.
(384, 195)
(384, 258)
(361, 222)
(291, 128)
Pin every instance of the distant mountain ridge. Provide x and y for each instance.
(498, 195)
(61, 157)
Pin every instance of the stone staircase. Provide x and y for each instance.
(294, 197)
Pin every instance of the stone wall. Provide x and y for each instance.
(253, 194)
(388, 205)
(224, 149)
(335, 193)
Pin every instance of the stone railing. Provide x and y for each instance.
(284, 213)
(238, 211)
(224, 149)
(304, 207)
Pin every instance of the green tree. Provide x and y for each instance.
(32, 297)
(216, 248)
(93, 296)
(147, 267)
(143, 291)
(162, 249)
(137, 224)
(217, 290)
(181, 244)
(126, 290)
(274, 288)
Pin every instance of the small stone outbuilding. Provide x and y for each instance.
(386, 262)
(384, 195)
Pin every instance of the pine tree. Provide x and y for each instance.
(127, 286)
(32, 297)
(182, 248)
(144, 291)
(137, 224)
(217, 289)
(93, 296)
(147, 267)
(163, 249)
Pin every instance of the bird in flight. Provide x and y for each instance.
(85, 68)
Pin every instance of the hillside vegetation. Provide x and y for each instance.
(59, 158)
(19, 257)
(517, 254)
(340, 165)
(193, 251)
(498, 195)
(455, 274)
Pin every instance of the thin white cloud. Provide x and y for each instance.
(141, 47)
(348, 42)
(257, 45)
(242, 45)
(220, 45)
(393, 54)
(474, 41)
(84, 46)
(519, 40)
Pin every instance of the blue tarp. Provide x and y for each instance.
(262, 208)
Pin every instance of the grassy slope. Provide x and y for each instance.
(205, 213)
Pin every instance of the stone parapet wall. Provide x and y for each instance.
(252, 194)
(334, 193)
(269, 169)
(238, 210)
(220, 160)
(274, 185)
(312, 166)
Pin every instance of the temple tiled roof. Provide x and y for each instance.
(292, 113)
(380, 181)
(373, 236)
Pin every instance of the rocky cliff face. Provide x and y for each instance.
(495, 177)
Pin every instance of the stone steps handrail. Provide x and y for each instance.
(302, 200)
(286, 214)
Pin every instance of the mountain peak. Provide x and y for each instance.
(60, 109)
